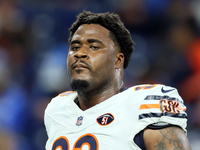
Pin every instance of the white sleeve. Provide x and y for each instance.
(161, 106)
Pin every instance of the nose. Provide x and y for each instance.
(82, 53)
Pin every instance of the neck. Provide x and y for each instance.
(93, 97)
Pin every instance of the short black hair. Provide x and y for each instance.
(113, 23)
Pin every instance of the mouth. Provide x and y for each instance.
(79, 65)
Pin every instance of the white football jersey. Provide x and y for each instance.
(112, 124)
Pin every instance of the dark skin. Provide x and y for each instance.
(170, 138)
(96, 58)
(104, 70)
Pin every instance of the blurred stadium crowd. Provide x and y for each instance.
(33, 53)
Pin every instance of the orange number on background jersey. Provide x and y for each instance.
(90, 140)
(66, 93)
(149, 86)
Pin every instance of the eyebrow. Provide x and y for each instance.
(89, 41)
(94, 41)
(75, 42)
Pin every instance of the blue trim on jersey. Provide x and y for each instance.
(139, 140)
(123, 89)
(159, 97)
(150, 115)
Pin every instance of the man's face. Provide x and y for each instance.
(92, 56)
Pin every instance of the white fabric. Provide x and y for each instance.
(130, 110)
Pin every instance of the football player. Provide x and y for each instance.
(100, 113)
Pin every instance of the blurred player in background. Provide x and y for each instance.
(101, 113)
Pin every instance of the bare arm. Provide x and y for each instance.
(170, 138)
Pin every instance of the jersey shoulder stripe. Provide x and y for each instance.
(157, 115)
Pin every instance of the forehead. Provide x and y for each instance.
(92, 31)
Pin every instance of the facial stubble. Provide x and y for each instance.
(79, 85)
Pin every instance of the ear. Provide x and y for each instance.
(119, 60)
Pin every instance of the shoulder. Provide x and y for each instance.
(156, 92)
(160, 105)
(156, 89)
(60, 99)
(56, 109)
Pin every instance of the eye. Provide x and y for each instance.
(94, 47)
(74, 48)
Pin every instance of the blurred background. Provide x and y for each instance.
(33, 53)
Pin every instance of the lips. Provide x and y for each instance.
(79, 65)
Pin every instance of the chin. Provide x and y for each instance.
(79, 85)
